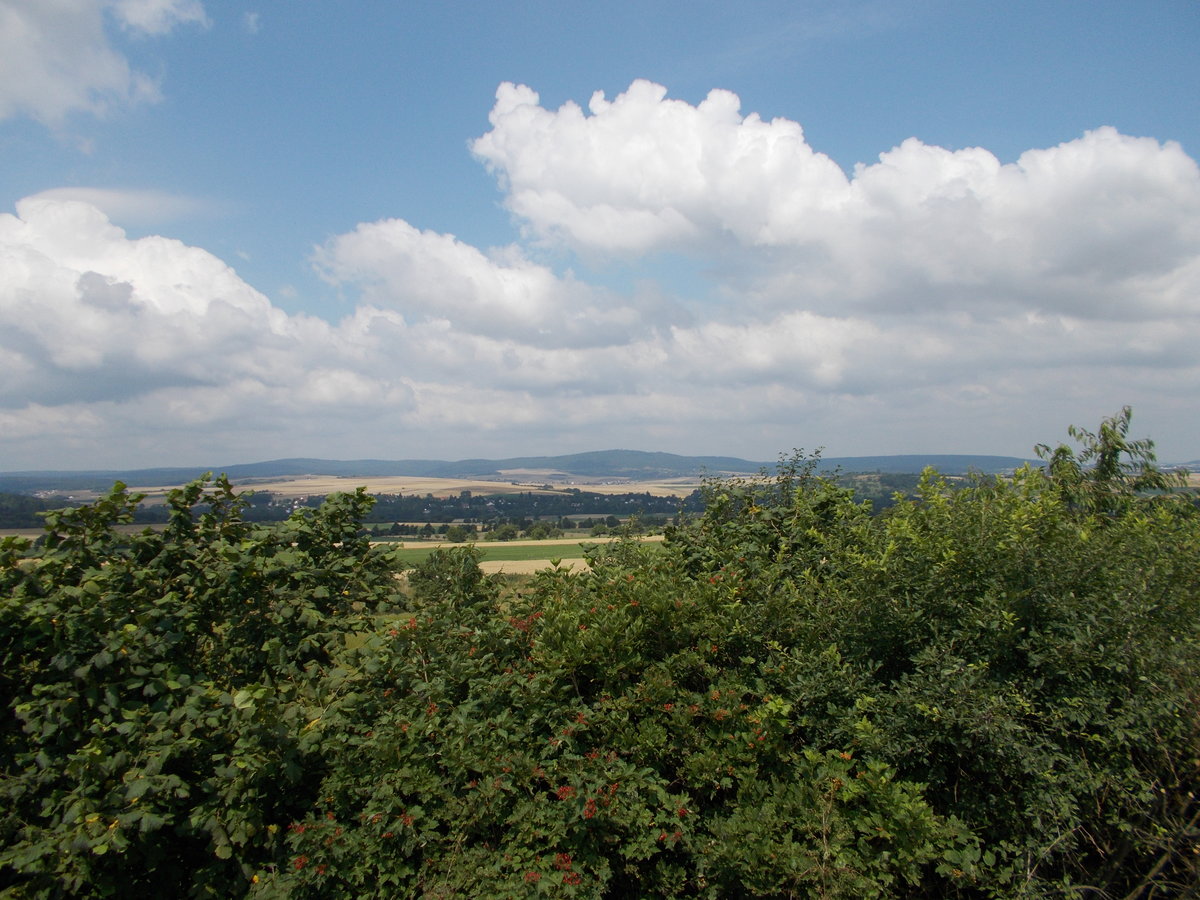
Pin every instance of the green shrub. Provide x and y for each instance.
(982, 692)
(160, 685)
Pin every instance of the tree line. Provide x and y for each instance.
(573, 505)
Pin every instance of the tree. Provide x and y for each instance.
(543, 530)
(1109, 468)
(506, 532)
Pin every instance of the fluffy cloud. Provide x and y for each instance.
(103, 336)
(83, 306)
(643, 173)
(930, 286)
(56, 57)
(1102, 226)
(930, 280)
(429, 276)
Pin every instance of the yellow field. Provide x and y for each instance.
(543, 542)
(529, 566)
(309, 485)
(526, 566)
(672, 488)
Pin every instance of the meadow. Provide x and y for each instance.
(513, 557)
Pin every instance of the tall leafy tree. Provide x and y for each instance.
(1109, 468)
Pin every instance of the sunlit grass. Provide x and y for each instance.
(501, 552)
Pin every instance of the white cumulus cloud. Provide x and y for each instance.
(642, 172)
(151, 330)
(1105, 225)
(425, 275)
(931, 286)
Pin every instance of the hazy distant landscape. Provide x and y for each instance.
(626, 468)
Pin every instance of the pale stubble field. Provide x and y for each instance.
(319, 485)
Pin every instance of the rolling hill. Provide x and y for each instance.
(633, 465)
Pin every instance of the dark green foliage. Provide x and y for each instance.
(1029, 653)
(21, 511)
(496, 509)
(160, 685)
(982, 692)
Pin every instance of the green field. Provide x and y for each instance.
(503, 552)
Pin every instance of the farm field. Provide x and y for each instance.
(451, 487)
(507, 557)
(519, 483)
(515, 557)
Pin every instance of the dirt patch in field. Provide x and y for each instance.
(545, 542)
(528, 566)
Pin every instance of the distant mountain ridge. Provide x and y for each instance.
(634, 465)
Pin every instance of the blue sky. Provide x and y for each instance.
(244, 230)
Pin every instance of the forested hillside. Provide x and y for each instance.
(983, 692)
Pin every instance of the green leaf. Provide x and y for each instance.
(137, 788)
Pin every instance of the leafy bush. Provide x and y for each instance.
(981, 692)
(160, 684)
